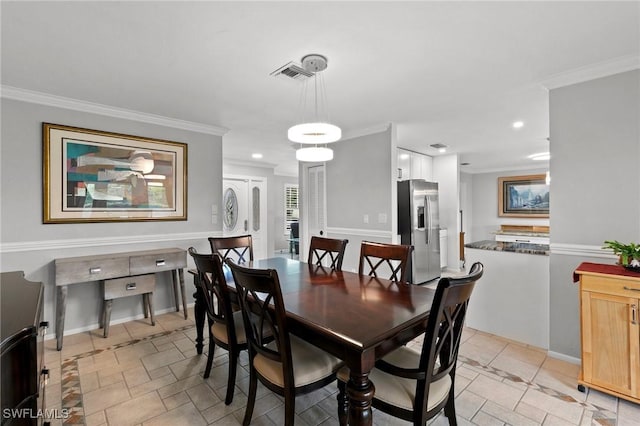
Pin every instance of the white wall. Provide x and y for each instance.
(595, 181)
(445, 172)
(31, 246)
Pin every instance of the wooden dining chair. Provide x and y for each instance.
(415, 385)
(287, 365)
(226, 328)
(239, 248)
(380, 258)
(321, 247)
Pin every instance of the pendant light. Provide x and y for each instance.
(315, 128)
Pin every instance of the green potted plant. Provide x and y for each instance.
(629, 253)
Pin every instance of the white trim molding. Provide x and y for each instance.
(360, 232)
(581, 250)
(591, 72)
(104, 241)
(563, 357)
(24, 95)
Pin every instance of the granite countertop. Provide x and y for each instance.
(526, 248)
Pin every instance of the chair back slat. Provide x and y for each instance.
(263, 312)
(239, 248)
(387, 261)
(327, 248)
(213, 285)
(444, 329)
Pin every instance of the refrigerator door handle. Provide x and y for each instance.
(427, 205)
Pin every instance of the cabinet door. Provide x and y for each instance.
(416, 166)
(404, 165)
(611, 342)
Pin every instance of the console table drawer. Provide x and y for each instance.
(91, 270)
(157, 262)
(129, 286)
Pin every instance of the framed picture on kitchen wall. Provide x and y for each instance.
(523, 196)
(96, 176)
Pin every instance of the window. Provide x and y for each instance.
(291, 212)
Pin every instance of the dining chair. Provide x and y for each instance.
(415, 385)
(239, 248)
(378, 258)
(321, 247)
(226, 328)
(287, 365)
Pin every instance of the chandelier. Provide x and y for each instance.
(314, 128)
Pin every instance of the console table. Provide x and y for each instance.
(85, 269)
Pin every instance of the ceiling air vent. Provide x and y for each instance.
(291, 71)
(438, 145)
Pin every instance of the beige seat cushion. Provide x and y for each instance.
(310, 364)
(219, 330)
(400, 391)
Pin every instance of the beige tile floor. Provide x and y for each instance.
(144, 375)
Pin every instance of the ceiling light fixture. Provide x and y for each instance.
(517, 124)
(315, 128)
(541, 156)
(256, 155)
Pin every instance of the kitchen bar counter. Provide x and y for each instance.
(525, 248)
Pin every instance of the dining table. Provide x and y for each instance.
(356, 318)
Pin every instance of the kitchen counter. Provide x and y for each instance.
(525, 248)
(512, 297)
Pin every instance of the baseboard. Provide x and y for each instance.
(563, 357)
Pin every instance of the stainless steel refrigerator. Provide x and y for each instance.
(419, 226)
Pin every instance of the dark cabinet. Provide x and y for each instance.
(21, 348)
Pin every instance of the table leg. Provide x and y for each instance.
(199, 313)
(61, 307)
(183, 292)
(360, 391)
(174, 279)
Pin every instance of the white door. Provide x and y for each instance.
(316, 201)
(244, 204)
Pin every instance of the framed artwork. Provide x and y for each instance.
(523, 196)
(95, 176)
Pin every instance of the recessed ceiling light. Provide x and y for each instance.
(518, 124)
(256, 155)
(541, 156)
(442, 150)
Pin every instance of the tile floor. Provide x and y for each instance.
(144, 375)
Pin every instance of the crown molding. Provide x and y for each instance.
(31, 96)
(591, 72)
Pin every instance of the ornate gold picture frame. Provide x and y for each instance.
(96, 176)
(523, 196)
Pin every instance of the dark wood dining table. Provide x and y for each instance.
(356, 318)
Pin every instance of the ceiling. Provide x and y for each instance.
(455, 73)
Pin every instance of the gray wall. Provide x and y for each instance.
(485, 220)
(31, 246)
(595, 163)
(359, 182)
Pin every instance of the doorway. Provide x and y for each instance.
(244, 206)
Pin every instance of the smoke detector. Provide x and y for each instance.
(292, 71)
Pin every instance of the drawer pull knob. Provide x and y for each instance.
(131, 286)
(630, 288)
(160, 262)
(95, 270)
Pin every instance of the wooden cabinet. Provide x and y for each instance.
(21, 349)
(610, 329)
